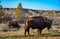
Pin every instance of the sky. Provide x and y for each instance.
(32, 4)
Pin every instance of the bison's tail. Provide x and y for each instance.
(26, 22)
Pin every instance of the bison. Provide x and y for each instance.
(37, 22)
(14, 24)
(11, 24)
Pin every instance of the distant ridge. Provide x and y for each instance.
(25, 10)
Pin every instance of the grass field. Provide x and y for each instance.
(19, 34)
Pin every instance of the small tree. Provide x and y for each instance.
(2, 14)
(19, 12)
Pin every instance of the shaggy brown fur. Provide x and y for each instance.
(37, 22)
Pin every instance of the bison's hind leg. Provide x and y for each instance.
(39, 32)
(27, 30)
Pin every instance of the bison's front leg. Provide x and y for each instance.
(27, 30)
(39, 32)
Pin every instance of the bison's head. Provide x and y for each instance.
(49, 23)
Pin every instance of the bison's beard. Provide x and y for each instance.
(48, 28)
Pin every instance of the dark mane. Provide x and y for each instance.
(37, 17)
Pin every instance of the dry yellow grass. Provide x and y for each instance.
(20, 34)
